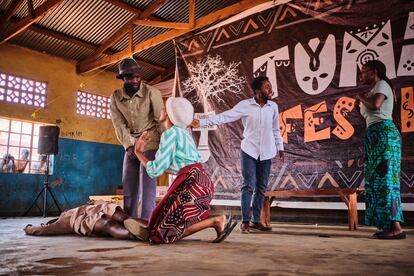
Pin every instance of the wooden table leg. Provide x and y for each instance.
(265, 214)
(353, 212)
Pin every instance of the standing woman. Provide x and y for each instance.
(382, 154)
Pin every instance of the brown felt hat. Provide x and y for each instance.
(128, 66)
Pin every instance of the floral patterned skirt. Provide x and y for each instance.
(382, 175)
(187, 202)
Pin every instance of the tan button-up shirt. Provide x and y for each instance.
(131, 116)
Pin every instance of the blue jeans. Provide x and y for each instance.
(255, 178)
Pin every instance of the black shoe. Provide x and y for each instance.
(244, 227)
(259, 226)
(384, 236)
(378, 233)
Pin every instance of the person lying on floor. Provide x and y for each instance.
(98, 218)
(183, 211)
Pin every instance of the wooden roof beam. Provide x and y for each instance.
(191, 13)
(121, 4)
(163, 24)
(81, 43)
(171, 25)
(84, 44)
(31, 8)
(28, 20)
(14, 5)
(110, 41)
(150, 65)
(163, 76)
(63, 37)
(86, 66)
(152, 8)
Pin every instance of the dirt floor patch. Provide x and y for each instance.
(105, 249)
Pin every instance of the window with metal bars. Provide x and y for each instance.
(18, 147)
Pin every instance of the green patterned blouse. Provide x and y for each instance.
(177, 150)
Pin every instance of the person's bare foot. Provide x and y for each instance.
(224, 226)
(219, 224)
(28, 229)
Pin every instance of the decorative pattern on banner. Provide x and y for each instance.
(312, 52)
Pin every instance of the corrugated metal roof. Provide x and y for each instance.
(93, 21)
(23, 10)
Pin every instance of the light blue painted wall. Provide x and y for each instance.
(86, 168)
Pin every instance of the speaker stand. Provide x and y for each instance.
(44, 191)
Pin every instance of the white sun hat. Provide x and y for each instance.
(180, 111)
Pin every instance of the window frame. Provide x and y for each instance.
(95, 106)
(20, 91)
(33, 148)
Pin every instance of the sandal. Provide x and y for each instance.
(383, 236)
(228, 228)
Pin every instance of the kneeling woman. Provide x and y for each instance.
(184, 209)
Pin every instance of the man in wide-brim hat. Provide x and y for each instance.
(136, 108)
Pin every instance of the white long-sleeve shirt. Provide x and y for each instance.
(261, 135)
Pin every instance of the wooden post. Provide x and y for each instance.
(131, 38)
(265, 214)
(352, 212)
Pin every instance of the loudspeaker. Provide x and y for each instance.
(48, 140)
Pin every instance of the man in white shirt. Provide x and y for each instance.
(261, 142)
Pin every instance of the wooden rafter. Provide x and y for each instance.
(86, 66)
(14, 5)
(81, 43)
(151, 65)
(171, 25)
(58, 35)
(26, 21)
(84, 44)
(31, 8)
(125, 29)
(121, 4)
(191, 13)
(163, 76)
(163, 24)
(131, 37)
(152, 8)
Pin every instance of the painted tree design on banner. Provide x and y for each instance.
(211, 77)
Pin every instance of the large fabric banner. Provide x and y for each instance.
(312, 52)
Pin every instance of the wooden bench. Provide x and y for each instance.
(349, 196)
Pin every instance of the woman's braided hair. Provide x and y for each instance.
(381, 70)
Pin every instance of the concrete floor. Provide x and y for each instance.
(290, 249)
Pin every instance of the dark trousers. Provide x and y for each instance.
(139, 188)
